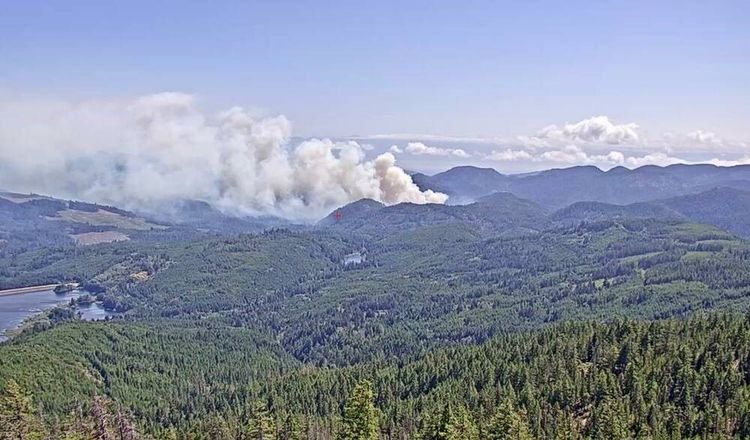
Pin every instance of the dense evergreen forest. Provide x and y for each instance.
(494, 320)
(418, 289)
(627, 379)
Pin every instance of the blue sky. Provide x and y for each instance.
(477, 69)
(481, 68)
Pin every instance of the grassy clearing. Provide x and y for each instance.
(106, 218)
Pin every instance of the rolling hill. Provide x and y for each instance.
(494, 213)
(557, 188)
(30, 221)
(218, 328)
(726, 208)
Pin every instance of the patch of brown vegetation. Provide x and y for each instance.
(21, 198)
(89, 238)
(106, 218)
(140, 276)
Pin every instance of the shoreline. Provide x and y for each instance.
(29, 289)
(33, 316)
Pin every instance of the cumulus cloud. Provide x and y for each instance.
(598, 129)
(660, 159)
(570, 154)
(587, 142)
(705, 138)
(162, 147)
(509, 155)
(419, 148)
(575, 155)
(700, 141)
(745, 160)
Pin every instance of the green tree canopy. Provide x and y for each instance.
(360, 420)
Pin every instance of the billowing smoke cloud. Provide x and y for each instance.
(160, 148)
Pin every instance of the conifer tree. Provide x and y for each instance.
(218, 429)
(609, 422)
(293, 428)
(360, 420)
(17, 418)
(450, 424)
(507, 424)
(260, 426)
(75, 427)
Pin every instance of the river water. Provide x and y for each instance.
(15, 308)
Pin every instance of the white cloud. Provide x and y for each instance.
(575, 155)
(162, 147)
(614, 157)
(584, 143)
(705, 138)
(592, 134)
(395, 149)
(419, 148)
(587, 142)
(509, 155)
(597, 129)
(745, 160)
(570, 154)
(660, 159)
(700, 141)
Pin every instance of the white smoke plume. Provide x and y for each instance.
(161, 148)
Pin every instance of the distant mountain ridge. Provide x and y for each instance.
(501, 212)
(726, 208)
(557, 188)
(494, 203)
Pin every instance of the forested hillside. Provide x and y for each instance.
(416, 289)
(492, 214)
(383, 220)
(496, 319)
(725, 208)
(627, 379)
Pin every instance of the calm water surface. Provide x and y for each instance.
(15, 308)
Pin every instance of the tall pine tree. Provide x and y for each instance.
(261, 425)
(17, 418)
(360, 420)
(508, 423)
